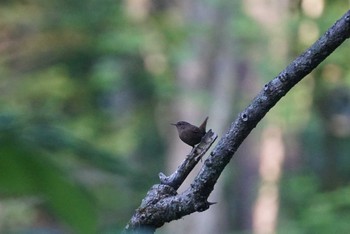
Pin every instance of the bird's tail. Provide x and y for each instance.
(204, 124)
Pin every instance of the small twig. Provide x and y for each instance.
(177, 178)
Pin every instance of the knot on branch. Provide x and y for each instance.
(201, 206)
(156, 193)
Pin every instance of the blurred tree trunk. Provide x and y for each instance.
(270, 15)
(215, 68)
(210, 77)
(206, 80)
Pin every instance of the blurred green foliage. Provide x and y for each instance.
(76, 112)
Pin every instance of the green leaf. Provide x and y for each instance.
(24, 171)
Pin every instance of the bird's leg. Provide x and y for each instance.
(192, 150)
(194, 153)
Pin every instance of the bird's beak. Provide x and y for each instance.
(173, 124)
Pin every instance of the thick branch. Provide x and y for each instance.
(162, 203)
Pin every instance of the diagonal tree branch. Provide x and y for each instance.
(163, 204)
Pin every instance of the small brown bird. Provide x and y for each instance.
(189, 133)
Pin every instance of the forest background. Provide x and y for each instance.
(88, 90)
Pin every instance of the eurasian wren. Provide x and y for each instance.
(189, 133)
